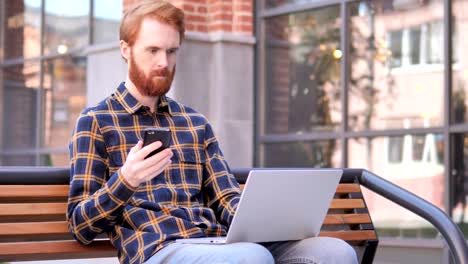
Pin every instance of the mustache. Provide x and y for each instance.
(160, 73)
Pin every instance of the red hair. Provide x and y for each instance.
(161, 10)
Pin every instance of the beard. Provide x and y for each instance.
(157, 83)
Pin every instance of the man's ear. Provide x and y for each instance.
(124, 50)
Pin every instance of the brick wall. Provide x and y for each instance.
(231, 16)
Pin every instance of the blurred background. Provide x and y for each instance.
(377, 84)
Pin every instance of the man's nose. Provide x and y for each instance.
(161, 59)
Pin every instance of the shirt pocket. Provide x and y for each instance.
(186, 174)
(189, 163)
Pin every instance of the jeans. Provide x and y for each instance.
(310, 250)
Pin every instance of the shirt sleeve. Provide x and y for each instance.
(96, 200)
(222, 192)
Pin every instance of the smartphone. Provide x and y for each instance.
(156, 134)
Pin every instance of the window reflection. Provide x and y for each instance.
(319, 154)
(64, 97)
(66, 26)
(459, 179)
(413, 162)
(395, 149)
(22, 29)
(397, 73)
(106, 20)
(20, 91)
(303, 72)
(460, 65)
(17, 160)
(55, 159)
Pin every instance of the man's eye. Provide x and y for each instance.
(154, 51)
(171, 51)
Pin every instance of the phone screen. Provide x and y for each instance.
(156, 134)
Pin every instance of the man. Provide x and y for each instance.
(184, 191)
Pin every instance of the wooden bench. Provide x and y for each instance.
(33, 203)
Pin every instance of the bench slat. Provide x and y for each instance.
(348, 188)
(340, 219)
(36, 231)
(35, 228)
(44, 209)
(351, 235)
(32, 209)
(32, 212)
(60, 227)
(33, 191)
(347, 204)
(61, 191)
(21, 251)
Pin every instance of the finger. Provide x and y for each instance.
(149, 148)
(167, 153)
(136, 148)
(156, 169)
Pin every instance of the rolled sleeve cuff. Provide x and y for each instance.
(119, 189)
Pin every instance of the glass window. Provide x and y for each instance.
(396, 38)
(22, 28)
(460, 66)
(18, 101)
(395, 149)
(394, 60)
(318, 154)
(419, 143)
(55, 159)
(64, 97)
(302, 91)
(66, 26)
(422, 174)
(17, 160)
(435, 41)
(459, 179)
(415, 45)
(106, 20)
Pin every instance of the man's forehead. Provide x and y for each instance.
(156, 33)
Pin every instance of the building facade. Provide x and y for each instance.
(375, 84)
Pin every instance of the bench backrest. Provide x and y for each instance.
(33, 205)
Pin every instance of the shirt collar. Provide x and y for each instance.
(132, 105)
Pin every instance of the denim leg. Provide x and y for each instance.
(237, 253)
(317, 250)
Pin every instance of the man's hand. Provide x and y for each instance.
(137, 169)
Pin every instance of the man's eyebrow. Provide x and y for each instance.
(156, 47)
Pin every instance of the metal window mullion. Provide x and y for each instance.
(38, 117)
(345, 43)
(3, 22)
(299, 137)
(13, 62)
(447, 104)
(2, 56)
(331, 135)
(257, 83)
(295, 8)
(91, 23)
(260, 88)
(458, 128)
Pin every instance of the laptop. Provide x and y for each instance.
(280, 205)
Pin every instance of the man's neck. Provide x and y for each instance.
(148, 101)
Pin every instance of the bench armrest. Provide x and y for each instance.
(449, 230)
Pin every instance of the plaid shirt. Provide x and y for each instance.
(195, 196)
